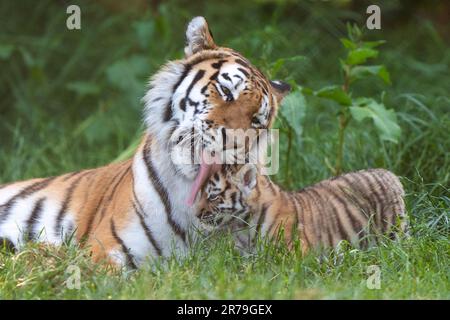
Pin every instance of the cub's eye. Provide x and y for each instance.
(213, 197)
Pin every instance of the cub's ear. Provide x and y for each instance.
(247, 178)
(198, 37)
(280, 89)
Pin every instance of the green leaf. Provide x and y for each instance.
(360, 55)
(27, 57)
(83, 88)
(385, 120)
(279, 63)
(335, 93)
(293, 109)
(126, 74)
(307, 91)
(144, 30)
(373, 44)
(6, 51)
(360, 72)
(348, 44)
(354, 33)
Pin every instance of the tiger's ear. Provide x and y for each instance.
(247, 178)
(198, 37)
(280, 89)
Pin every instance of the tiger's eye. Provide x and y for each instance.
(225, 90)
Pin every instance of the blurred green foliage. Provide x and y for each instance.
(71, 100)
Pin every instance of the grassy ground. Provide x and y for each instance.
(70, 100)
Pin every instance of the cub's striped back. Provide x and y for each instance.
(352, 207)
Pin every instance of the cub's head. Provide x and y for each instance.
(193, 102)
(228, 196)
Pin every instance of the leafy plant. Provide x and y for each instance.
(354, 68)
(292, 113)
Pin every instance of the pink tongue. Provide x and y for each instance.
(206, 170)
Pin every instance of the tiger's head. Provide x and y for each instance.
(227, 196)
(193, 101)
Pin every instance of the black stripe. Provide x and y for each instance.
(8, 245)
(325, 204)
(140, 212)
(262, 217)
(365, 180)
(70, 175)
(214, 76)
(226, 76)
(218, 64)
(197, 77)
(362, 178)
(338, 214)
(270, 185)
(113, 191)
(206, 57)
(244, 72)
(66, 203)
(307, 204)
(258, 192)
(125, 250)
(161, 190)
(26, 192)
(302, 204)
(168, 113)
(356, 224)
(243, 63)
(93, 214)
(299, 200)
(294, 227)
(275, 224)
(318, 216)
(33, 219)
(366, 211)
(355, 193)
(148, 232)
(383, 223)
(223, 133)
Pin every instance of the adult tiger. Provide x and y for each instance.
(129, 211)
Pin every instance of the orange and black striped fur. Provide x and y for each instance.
(351, 207)
(134, 210)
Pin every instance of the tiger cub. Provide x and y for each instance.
(349, 207)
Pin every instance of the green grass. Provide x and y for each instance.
(70, 100)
